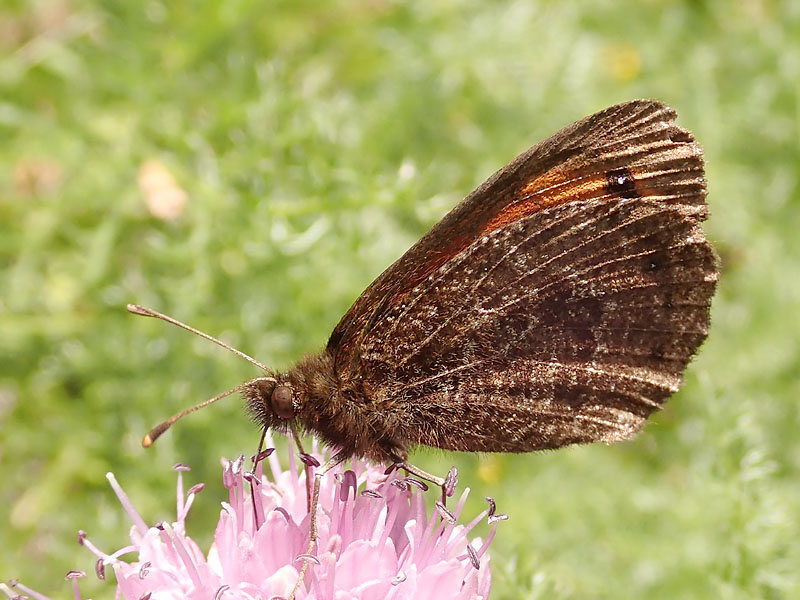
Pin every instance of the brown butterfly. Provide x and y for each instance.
(558, 303)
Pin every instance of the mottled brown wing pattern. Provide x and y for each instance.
(599, 156)
(571, 325)
(570, 291)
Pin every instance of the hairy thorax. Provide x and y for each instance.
(341, 411)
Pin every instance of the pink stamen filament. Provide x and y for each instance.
(141, 526)
(191, 569)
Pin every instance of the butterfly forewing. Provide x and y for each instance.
(558, 303)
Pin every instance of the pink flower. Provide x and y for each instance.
(379, 543)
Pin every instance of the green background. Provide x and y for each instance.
(315, 142)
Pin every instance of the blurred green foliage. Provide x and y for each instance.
(313, 143)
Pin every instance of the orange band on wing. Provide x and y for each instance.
(547, 191)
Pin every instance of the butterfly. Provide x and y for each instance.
(558, 303)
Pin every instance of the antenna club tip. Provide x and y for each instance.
(147, 441)
(138, 309)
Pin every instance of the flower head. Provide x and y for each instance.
(378, 542)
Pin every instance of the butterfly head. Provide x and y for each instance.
(271, 403)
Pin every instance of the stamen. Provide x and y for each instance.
(138, 521)
(236, 492)
(114, 558)
(250, 478)
(492, 505)
(349, 481)
(400, 484)
(108, 559)
(418, 483)
(144, 570)
(308, 459)
(100, 569)
(74, 574)
(473, 557)
(196, 489)
(445, 513)
(371, 493)
(450, 482)
(183, 507)
(179, 468)
(261, 456)
(489, 538)
(284, 512)
(237, 464)
(258, 509)
(177, 543)
(16, 585)
(228, 480)
(497, 518)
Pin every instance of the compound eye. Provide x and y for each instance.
(282, 402)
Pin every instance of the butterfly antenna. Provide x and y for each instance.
(156, 431)
(159, 429)
(136, 309)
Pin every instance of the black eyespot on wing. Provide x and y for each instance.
(620, 182)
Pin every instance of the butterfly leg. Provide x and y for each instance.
(300, 449)
(336, 460)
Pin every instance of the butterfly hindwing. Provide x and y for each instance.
(571, 325)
